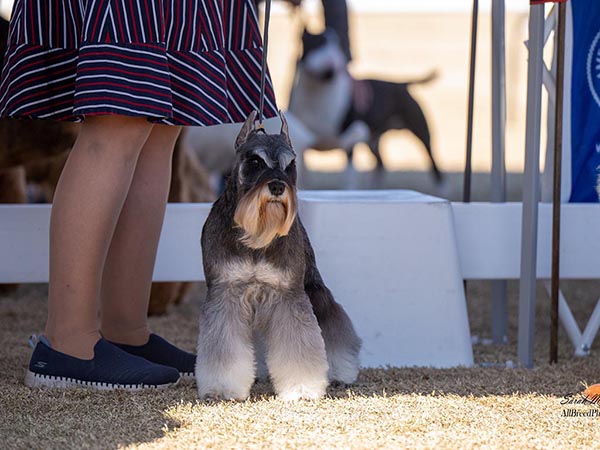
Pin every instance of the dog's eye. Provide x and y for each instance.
(255, 162)
(291, 166)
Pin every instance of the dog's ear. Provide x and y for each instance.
(285, 132)
(246, 130)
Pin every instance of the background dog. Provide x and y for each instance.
(322, 98)
(263, 284)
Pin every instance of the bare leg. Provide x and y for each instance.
(129, 265)
(88, 200)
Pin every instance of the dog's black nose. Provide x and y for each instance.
(276, 188)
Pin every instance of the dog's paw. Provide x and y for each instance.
(301, 392)
(215, 397)
(218, 384)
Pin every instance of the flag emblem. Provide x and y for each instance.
(593, 68)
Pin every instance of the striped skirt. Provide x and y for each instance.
(178, 62)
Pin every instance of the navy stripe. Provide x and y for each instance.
(183, 62)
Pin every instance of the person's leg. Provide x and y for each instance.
(88, 200)
(130, 262)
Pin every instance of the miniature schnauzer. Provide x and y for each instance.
(264, 288)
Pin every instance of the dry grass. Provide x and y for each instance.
(489, 407)
(481, 407)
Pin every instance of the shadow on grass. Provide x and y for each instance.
(38, 418)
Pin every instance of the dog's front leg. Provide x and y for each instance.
(295, 350)
(357, 132)
(225, 364)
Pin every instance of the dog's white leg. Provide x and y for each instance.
(295, 350)
(225, 364)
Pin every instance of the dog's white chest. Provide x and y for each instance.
(245, 272)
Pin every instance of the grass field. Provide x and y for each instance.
(488, 406)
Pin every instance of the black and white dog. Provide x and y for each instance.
(264, 288)
(322, 98)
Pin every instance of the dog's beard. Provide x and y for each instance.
(264, 217)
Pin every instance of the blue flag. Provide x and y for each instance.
(585, 101)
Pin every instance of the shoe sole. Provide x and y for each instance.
(36, 380)
(187, 377)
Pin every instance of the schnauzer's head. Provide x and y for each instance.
(265, 178)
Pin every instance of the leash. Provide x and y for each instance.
(263, 69)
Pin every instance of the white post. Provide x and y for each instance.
(498, 176)
(531, 188)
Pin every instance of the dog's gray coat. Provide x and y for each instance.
(274, 293)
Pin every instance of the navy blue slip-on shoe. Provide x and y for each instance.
(111, 368)
(160, 351)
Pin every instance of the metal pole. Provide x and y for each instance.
(468, 169)
(498, 176)
(555, 282)
(531, 180)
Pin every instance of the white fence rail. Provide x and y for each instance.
(395, 259)
(488, 239)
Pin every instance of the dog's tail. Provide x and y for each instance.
(431, 76)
